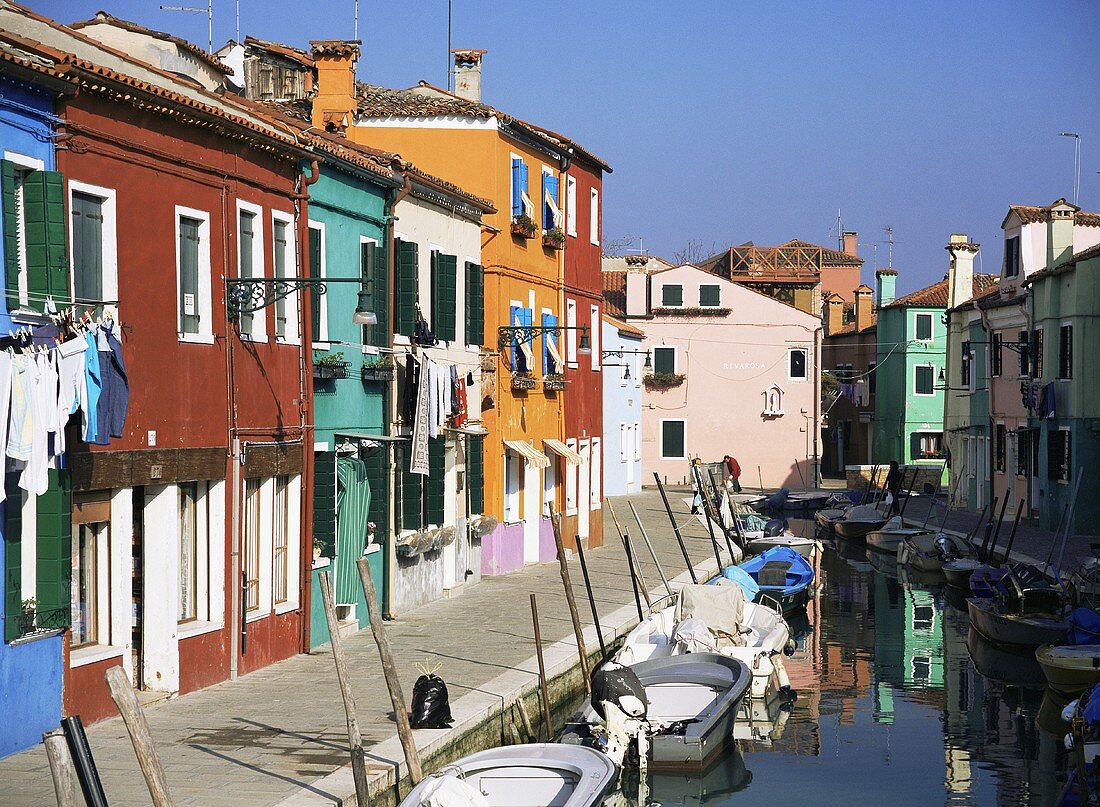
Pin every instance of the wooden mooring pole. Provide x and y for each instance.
(544, 695)
(62, 769)
(635, 565)
(675, 528)
(569, 599)
(355, 736)
(122, 692)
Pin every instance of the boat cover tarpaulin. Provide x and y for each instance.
(1084, 626)
(720, 607)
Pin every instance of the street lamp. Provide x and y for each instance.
(618, 354)
(506, 334)
(1076, 161)
(363, 314)
(245, 295)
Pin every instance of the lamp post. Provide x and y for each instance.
(1076, 162)
(245, 295)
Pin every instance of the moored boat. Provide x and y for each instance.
(958, 572)
(857, 522)
(891, 536)
(1010, 665)
(928, 551)
(1026, 630)
(1070, 668)
(530, 775)
(780, 574)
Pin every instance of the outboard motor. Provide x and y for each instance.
(775, 527)
(618, 697)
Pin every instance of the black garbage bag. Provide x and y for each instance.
(431, 705)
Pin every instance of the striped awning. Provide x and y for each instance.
(561, 449)
(528, 452)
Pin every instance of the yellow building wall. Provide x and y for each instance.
(479, 161)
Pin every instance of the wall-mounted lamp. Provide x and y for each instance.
(363, 314)
(245, 295)
(618, 354)
(507, 334)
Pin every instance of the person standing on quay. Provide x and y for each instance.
(733, 473)
(893, 488)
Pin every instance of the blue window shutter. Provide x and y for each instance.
(549, 337)
(549, 187)
(513, 320)
(522, 182)
(517, 200)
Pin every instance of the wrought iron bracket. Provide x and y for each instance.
(524, 334)
(246, 295)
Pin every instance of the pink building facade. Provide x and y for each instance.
(734, 372)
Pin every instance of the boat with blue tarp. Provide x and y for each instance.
(779, 574)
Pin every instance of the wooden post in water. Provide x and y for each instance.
(532, 737)
(649, 546)
(591, 601)
(544, 695)
(706, 514)
(122, 692)
(355, 736)
(389, 669)
(572, 603)
(62, 769)
(635, 565)
(675, 528)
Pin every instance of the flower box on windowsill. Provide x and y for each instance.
(378, 373)
(700, 311)
(524, 227)
(553, 239)
(523, 382)
(326, 370)
(663, 380)
(553, 383)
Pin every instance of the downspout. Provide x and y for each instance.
(992, 407)
(818, 331)
(559, 483)
(235, 614)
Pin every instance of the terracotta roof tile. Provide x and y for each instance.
(1030, 214)
(103, 18)
(614, 292)
(850, 327)
(935, 296)
(428, 101)
(279, 49)
(334, 47)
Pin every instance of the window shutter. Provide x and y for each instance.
(549, 188)
(437, 466)
(87, 216)
(380, 297)
(475, 474)
(315, 294)
(664, 361)
(1037, 354)
(514, 319)
(709, 296)
(407, 260)
(44, 217)
(412, 499)
(672, 295)
(673, 443)
(1025, 363)
(549, 337)
(11, 233)
(475, 304)
(366, 272)
(444, 295)
(324, 501)
(13, 557)
(378, 475)
(54, 551)
(518, 176)
(189, 272)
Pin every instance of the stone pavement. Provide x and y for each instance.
(275, 732)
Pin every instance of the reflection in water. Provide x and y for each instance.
(896, 699)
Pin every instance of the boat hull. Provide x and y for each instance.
(1070, 669)
(889, 541)
(856, 530)
(803, 546)
(958, 572)
(1010, 665)
(1011, 629)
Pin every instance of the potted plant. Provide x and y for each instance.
(553, 238)
(523, 380)
(663, 380)
(553, 381)
(524, 226)
(378, 368)
(28, 612)
(371, 527)
(318, 548)
(331, 365)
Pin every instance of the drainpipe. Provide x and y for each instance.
(993, 405)
(818, 331)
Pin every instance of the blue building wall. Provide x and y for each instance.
(622, 405)
(30, 670)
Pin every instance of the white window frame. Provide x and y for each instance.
(636, 428)
(715, 285)
(258, 333)
(550, 478)
(931, 326)
(594, 338)
(291, 301)
(670, 285)
(661, 438)
(571, 334)
(595, 465)
(513, 470)
(110, 236)
(571, 206)
(209, 560)
(794, 379)
(293, 542)
(204, 304)
(461, 278)
(675, 356)
(925, 394)
(571, 472)
(624, 436)
(322, 328)
(594, 217)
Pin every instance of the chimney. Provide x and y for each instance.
(886, 279)
(850, 244)
(334, 105)
(637, 293)
(1060, 232)
(834, 313)
(468, 73)
(960, 270)
(863, 306)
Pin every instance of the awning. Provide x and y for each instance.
(473, 430)
(529, 453)
(561, 449)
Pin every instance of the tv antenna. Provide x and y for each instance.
(889, 230)
(209, 12)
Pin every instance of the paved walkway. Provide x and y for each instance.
(270, 734)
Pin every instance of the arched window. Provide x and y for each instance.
(773, 402)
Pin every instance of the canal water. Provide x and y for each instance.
(897, 703)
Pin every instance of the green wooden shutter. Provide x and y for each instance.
(87, 229)
(412, 500)
(54, 551)
(366, 273)
(324, 501)
(11, 232)
(13, 559)
(444, 295)
(314, 292)
(407, 259)
(673, 442)
(437, 469)
(475, 304)
(475, 474)
(664, 361)
(380, 296)
(378, 475)
(44, 217)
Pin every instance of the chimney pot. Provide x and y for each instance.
(960, 269)
(851, 242)
(886, 280)
(863, 308)
(1060, 232)
(468, 73)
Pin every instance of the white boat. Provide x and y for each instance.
(892, 535)
(533, 775)
(716, 619)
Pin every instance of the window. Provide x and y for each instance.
(1025, 353)
(927, 446)
(672, 295)
(1037, 353)
(550, 478)
(1065, 351)
(374, 282)
(636, 429)
(872, 377)
(93, 246)
(967, 366)
(672, 439)
(551, 357)
(200, 553)
(195, 319)
(571, 205)
(282, 261)
(664, 360)
(522, 359)
(571, 332)
(252, 543)
(1012, 256)
(594, 336)
(710, 295)
(407, 287)
(444, 296)
(996, 361)
(475, 304)
(923, 327)
(521, 203)
(625, 438)
(250, 263)
(1000, 447)
(318, 305)
(189, 551)
(594, 217)
(513, 472)
(1059, 455)
(551, 215)
(1023, 451)
(797, 369)
(924, 379)
(90, 593)
(597, 474)
(280, 540)
(571, 472)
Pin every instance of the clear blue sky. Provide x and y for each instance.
(735, 121)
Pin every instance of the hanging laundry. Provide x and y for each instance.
(409, 388)
(1046, 401)
(115, 398)
(418, 454)
(93, 386)
(71, 383)
(21, 421)
(461, 417)
(43, 394)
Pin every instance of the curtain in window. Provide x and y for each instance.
(352, 514)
